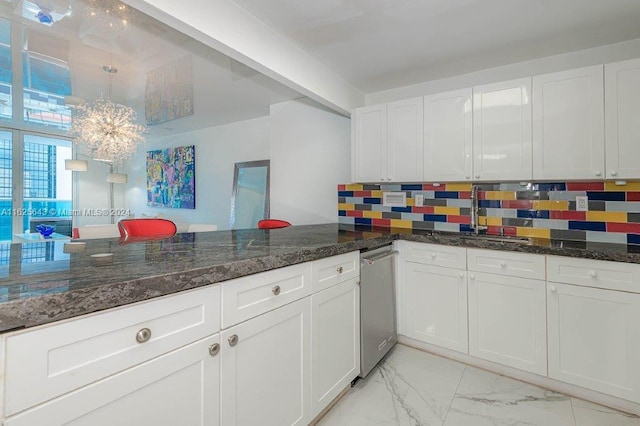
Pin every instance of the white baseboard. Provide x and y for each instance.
(545, 382)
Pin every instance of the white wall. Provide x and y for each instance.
(217, 150)
(92, 192)
(581, 58)
(310, 156)
(228, 28)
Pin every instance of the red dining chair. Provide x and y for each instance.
(135, 228)
(272, 224)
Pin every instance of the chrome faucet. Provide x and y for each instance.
(475, 210)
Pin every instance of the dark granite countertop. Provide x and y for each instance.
(41, 283)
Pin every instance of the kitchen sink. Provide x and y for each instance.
(499, 239)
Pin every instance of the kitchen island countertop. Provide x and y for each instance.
(42, 283)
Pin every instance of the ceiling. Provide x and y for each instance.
(225, 91)
(381, 44)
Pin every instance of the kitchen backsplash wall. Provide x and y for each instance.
(544, 210)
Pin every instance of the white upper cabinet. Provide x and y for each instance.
(568, 124)
(448, 136)
(369, 150)
(387, 142)
(622, 110)
(404, 140)
(502, 131)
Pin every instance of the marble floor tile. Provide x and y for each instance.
(409, 387)
(590, 414)
(485, 398)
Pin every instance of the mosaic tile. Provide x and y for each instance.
(585, 186)
(622, 206)
(606, 196)
(514, 222)
(446, 194)
(603, 216)
(566, 195)
(587, 226)
(629, 186)
(550, 224)
(562, 234)
(606, 237)
(534, 232)
(459, 203)
(448, 227)
(540, 210)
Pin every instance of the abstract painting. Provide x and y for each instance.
(171, 177)
(169, 92)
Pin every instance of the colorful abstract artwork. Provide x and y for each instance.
(169, 92)
(171, 177)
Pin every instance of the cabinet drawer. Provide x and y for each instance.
(594, 273)
(253, 295)
(506, 263)
(334, 270)
(54, 359)
(436, 255)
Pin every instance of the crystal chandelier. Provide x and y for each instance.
(111, 13)
(109, 130)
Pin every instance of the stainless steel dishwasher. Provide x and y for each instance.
(378, 331)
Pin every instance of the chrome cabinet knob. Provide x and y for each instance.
(339, 269)
(233, 340)
(477, 176)
(143, 335)
(276, 290)
(214, 349)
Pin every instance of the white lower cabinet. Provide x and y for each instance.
(266, 368)
(178, 388)
(435, 305)
(507, 321)
(335, 342)
(594, 339)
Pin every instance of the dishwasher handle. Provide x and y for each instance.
(374, 259)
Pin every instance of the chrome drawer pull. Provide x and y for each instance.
(233, 340)
(276, 290)
(339, 269)
(214, 349)
(143, 335)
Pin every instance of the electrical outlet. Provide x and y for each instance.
(582, 203)
(419, 198)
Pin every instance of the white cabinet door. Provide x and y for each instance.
(435, 305)
(507, 321)
(335, 342)
(502, 131)
(370, 144)
(622, 109)
(448, 136)
(404, 140)
(178, 388)
(266, 368)
(568, 124)
(594, 339)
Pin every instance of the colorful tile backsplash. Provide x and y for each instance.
(543, 210)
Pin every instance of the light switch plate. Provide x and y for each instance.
(419, 199)
(582, 203)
